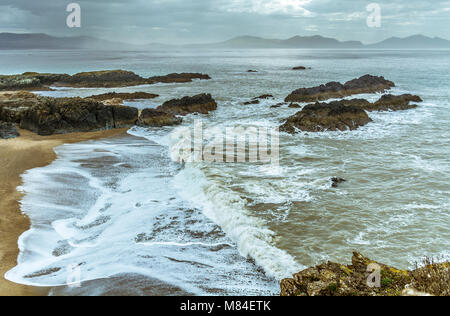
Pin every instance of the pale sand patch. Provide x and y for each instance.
(16, 156)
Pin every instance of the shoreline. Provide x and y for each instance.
(18, 155)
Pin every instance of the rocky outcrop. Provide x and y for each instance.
(102, 79)
(94, 79)
(201, 103)
(19, 82)
(177, 78)
(333, 279)
(322, 117)
(364, 84)
(389, 102)
(14, 105)
(156, 118)
(8, 130)
(67, 115)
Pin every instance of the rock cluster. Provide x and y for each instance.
(333, 279)
(94, 79)
(364, 84)
(322, 117)
(47, 116)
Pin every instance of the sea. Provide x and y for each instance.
(124, 216)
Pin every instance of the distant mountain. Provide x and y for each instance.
(44, 41)
(412, 42)
(293, 42)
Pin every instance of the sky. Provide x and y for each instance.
(204, 21)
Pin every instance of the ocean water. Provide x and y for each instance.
(137, 222)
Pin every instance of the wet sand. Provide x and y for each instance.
(16, 156)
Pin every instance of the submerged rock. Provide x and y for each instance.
(364, 84)
(300, 68)
(336, 181)
(333, 279)
(322, 117)
(8, 130)
(201, 103)
(254, 101)
(156, 118)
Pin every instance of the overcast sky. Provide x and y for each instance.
(199, 21)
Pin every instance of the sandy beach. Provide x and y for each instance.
(16, 156)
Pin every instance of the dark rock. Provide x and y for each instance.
(202, 103)
(336, 181)
(322, 117)
(67, 115)
(279, 105)
(389, 102)
(177, 78)
(103, 79)
(155, 118)
(123, 96)
(8, 130)
(333, 279)
(301, 68)
(264, 97)
(124, 116)
(254, 101)
(19, 82)
(294, 106)
(252, 71)
(364, 84)
(14, 105)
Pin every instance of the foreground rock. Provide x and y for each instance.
(68, 115)
(94, 79)
(14, 105)
(321, 117)
(201, 103)
(156, 118)
(8, 130)
(364, 84)
(333, 279)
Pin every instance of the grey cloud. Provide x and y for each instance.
(213, 20)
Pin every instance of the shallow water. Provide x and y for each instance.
(122, 208)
